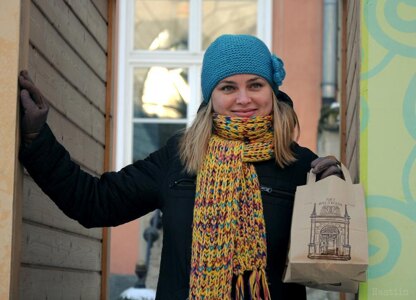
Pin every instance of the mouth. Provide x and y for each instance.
(245, 113)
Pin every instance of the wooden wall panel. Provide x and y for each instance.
(350, 107)
(47, 283)
(47, 246)
(102, 7)
(48, 42)
(40, 209)
(91, 18)
(68, 48)
(84, 150)
(83, 43)
(65, 98)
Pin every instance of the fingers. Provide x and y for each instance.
(27, 101)
(327, 166)
(332, 170)
(315, 162)
(26, 83)
(25, 75)
(323, 163)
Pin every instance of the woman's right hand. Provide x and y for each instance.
(34, 107)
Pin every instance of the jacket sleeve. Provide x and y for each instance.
(112, 199)
(302, 166)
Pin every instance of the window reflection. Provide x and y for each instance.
(228, 16)
(160, 92)
(151, 137)
(161, 25)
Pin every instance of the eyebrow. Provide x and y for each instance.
(233, 82)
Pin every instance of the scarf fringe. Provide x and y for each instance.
(239, 289)
(257, 283)
(265, 285)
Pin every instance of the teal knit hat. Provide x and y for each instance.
(239, 54)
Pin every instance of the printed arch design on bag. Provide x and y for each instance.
(329, 233)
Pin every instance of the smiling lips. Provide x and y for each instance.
(245, 112)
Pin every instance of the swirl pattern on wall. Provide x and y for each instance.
(389, 43)
(391, 30)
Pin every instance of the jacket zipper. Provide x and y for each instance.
(191, 183)
(183, 182)
(276, 192)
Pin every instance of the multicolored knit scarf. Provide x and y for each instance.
(229, 235)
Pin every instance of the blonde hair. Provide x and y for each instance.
(193, 144)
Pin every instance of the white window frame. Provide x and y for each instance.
(128, 59)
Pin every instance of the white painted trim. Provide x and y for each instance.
(128, 117)
(194, 80)
(121, 97)
(195, 26)
(264, 21)
(165, 58)
(156, 120)
(130, 24)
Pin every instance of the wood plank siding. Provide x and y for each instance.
(350, 106)
(67, 59)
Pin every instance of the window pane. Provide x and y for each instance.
(161, 24)
(160, 92)
(151, 137)
(228, 16)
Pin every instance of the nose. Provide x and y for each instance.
(243, 97)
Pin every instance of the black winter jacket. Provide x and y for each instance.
(160, 182)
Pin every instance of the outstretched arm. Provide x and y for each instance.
(113, 199)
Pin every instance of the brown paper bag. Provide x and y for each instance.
(329, 243)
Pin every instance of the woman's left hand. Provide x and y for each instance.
(326, 166)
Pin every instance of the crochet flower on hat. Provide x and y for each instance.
(279, 72)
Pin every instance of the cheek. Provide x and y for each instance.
(220, 105)
(270, 107)
(216, 105)
(267, 106)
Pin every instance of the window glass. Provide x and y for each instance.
(227, 16)
(161, 25)
(151, 137)
(160, 92)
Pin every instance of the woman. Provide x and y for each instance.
(225, 186)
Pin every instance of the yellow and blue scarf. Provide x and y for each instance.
(229, 234)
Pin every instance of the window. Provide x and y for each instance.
(161, 49)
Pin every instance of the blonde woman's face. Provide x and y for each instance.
(243, 95)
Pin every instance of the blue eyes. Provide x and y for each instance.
(231, 88)
(256, 85)
(227, 88)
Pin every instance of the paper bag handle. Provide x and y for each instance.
(311, 177)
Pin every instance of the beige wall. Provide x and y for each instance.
(297, 39)
(124, 248)
(9, 170)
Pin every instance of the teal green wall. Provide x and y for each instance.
(387, 145)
